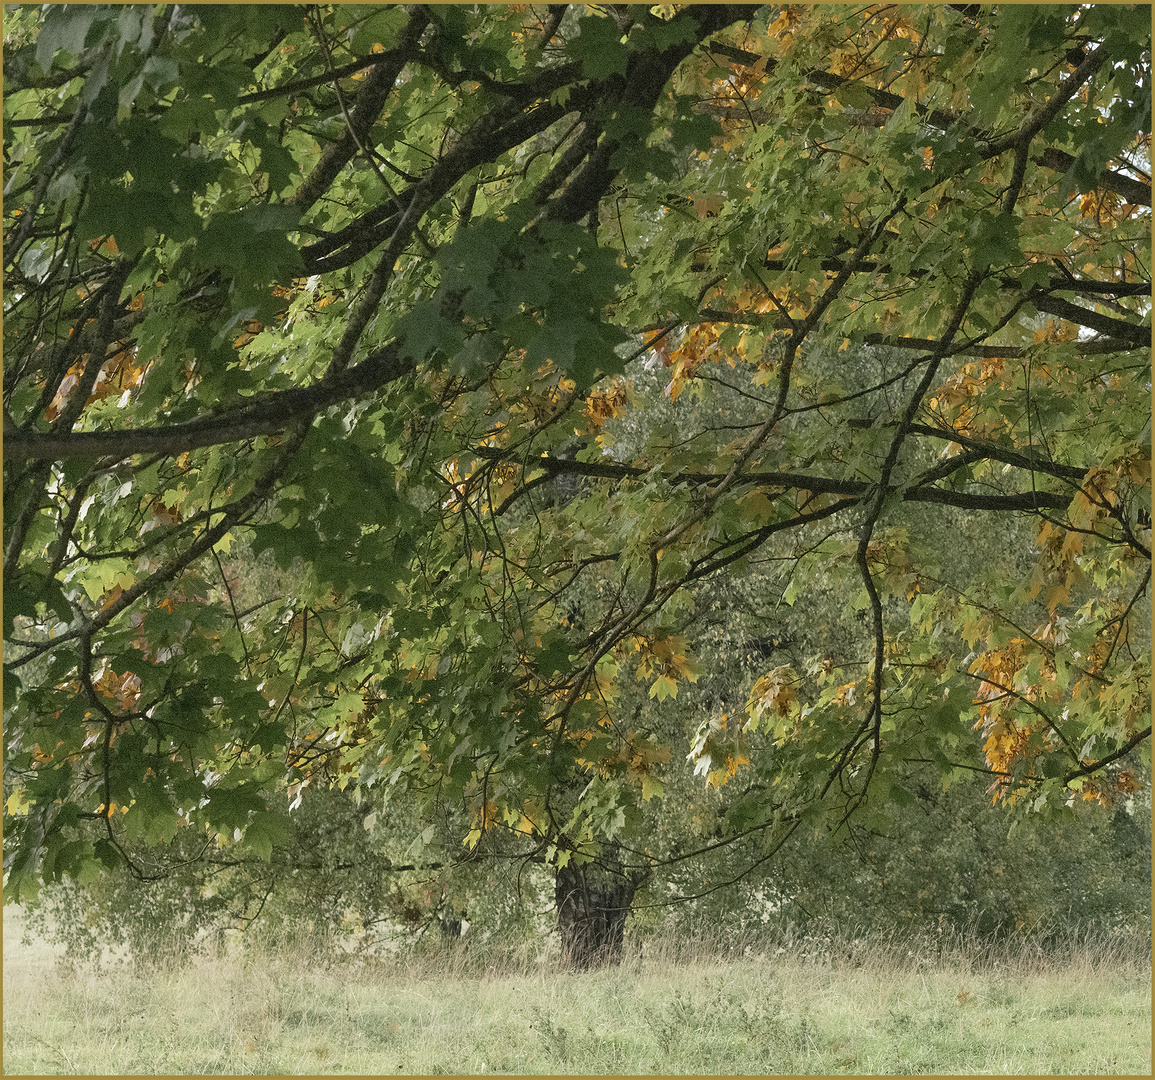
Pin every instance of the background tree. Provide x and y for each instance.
(385, 293)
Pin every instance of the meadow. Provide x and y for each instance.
(960, 1006)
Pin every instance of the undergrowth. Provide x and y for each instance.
(821, 1004)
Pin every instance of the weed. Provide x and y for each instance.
(555, 1040)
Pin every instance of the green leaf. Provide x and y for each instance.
(266, 831)
(64, 28)
(663, 688)
(598, 48)
(230, 808)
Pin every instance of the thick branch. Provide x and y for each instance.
(1134, 191)
(822, 485)
(265, 415)
(646, 76)
(1103, 324)
(1003, 454)
(1102, 347)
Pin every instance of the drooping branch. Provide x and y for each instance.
(1103, 762)
(872, 721)
(229, 516)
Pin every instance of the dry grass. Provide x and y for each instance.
(881, 1007)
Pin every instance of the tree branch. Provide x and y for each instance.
(1123, 750)
(370, 102)
(265, 415)
(1133, 191)
(1136, 335)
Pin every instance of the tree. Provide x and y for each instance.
(384, 293)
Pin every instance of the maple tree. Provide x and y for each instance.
(507, 333)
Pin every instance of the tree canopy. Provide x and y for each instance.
(419, 398)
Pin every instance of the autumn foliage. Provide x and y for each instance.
(393, 395)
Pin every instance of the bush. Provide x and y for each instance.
(948, 863)
(338, 888)
(950, 867)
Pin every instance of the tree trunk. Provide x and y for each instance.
(593, 901)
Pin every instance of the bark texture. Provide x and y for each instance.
(593, 900)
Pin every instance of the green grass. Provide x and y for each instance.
(852, 1007)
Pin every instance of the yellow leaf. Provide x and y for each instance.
(663, 688)
(774, 692)
(1058, 594)
(650, 788)
(757, 505)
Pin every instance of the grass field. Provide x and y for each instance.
(853, 1008)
